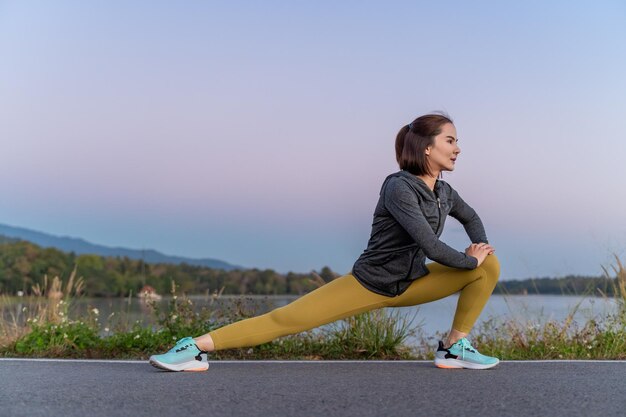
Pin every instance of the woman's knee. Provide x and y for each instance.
(492, 266)
(281, 317)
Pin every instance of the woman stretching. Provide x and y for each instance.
(391, 272)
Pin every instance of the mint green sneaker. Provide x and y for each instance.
(184, 356)
(462, 355)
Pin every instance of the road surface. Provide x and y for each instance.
(324, 388)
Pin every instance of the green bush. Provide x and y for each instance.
(70, 338)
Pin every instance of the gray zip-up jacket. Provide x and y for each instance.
(408, 221)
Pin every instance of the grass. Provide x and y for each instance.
(52, 329)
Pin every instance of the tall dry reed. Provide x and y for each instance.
(50, 302)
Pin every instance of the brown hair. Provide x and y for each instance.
(414, 138)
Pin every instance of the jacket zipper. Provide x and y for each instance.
(439, 209)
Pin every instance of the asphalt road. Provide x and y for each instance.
(68, 388)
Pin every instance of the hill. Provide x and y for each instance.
(83, 247)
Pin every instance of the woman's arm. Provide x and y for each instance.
(402, 203)
(468, 217)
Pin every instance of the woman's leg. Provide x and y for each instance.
(340, 298)
(475, 287)
(345, 297)
(474, 296)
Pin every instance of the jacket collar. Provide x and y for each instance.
(418, 182)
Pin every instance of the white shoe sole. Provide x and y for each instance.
(459, 364)
(191, 366)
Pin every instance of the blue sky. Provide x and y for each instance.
(259, 132)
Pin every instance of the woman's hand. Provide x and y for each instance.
(480, 251)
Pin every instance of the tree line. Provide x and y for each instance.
(24, 264)
(568, 285)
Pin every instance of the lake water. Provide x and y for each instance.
(431, 318)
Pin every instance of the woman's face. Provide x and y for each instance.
(443, 153)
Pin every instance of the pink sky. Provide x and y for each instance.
(264, 142)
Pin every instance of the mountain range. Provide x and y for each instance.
(81, 246)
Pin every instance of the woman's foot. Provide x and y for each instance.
(184, 356)
(463, 355)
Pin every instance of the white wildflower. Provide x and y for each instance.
(106, 329)
(61, 313)
(136, 336)
(174, 317)
(24, 309)
(64, 335)
(95, 311)
(35, 320)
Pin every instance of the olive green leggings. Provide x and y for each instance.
(345, 296)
